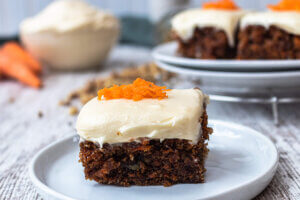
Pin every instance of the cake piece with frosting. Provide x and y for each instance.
(273, 34)
(144, 134)
(208, 32)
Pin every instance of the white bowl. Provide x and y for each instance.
(78, 49)
(70, 34)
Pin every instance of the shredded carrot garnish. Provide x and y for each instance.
(138, 90)
(220, 4)
(286, 5)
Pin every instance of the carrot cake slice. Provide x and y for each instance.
(144, 134)
(208, 32)
(274, 34)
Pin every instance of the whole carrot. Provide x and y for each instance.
(15, 51)
(18, 70)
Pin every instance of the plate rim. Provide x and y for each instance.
(224, 64)
(34, 178)
(227, 74)
(41, 186)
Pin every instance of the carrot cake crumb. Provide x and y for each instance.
(73, 110)
(11, 100)
(40, 114)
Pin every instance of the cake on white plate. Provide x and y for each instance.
(143, 134)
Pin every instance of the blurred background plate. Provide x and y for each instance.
(221, 79)
(167, 53)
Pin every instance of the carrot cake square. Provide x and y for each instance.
(274, 34)
(144, 134)
(208, 32)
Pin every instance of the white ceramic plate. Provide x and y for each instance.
(167, 53)
(274, 80)
(241, 163)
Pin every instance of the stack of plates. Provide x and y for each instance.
(253, 74)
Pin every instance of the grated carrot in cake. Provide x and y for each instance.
(138, 90)
(286, 5)
(220, 4)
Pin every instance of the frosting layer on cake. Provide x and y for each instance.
(124, 120)
(286, 20)
(185, 22)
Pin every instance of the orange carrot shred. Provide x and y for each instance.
(17, 70)
(220, 4)
(138, 90)
(16, 52)
(286, 5)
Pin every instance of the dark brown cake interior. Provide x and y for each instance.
(257, 42)
(253, 42)
(149, 162)
(206, 43)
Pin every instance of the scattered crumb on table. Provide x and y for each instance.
(40, 114)
(73, 110)
(11, 100)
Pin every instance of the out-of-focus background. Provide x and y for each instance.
(13, 12)
(47, 77)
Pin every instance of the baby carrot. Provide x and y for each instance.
(16, 52)
(18, 70)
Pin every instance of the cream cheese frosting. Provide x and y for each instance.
(286, 20)
(185, 22)
(123, 120)
(67, 15)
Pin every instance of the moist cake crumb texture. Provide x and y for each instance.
(206, 43)
(257, 42)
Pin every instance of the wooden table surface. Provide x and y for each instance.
(23, 133)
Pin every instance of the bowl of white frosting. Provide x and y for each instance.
(70, 34)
